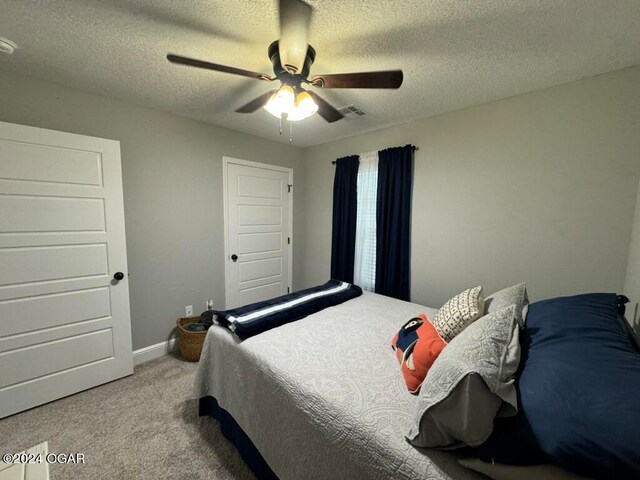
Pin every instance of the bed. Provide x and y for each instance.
(321, 398)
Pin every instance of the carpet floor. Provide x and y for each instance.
(145, 426)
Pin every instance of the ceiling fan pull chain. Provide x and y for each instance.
(281, 123)
(290, 132)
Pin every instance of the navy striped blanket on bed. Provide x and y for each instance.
(258, 317)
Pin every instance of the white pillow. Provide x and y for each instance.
(514, 295)
(470, 383)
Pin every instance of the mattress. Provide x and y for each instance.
(323, 398)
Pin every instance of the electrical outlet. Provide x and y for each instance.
(188, 310)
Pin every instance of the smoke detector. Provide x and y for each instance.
(7, 46)
(351, 111)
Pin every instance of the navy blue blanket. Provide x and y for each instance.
(258, 317)
(579, 392)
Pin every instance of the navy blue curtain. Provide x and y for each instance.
(345, 208)
(393, 218)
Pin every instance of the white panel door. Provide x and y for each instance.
(64, 318)
(258, 223)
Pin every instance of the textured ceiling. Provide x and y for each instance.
(454, 54)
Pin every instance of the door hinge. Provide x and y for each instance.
(289, 187)
(288, 240)
(288, 290)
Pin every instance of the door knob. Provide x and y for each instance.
(118, 276)
(234, 257)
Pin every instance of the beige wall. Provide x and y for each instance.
(172, 174)
(539, 187)
(632, 284)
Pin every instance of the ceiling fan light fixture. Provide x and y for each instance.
(292, 57)
(295, 107)
(303, 108)
(283, 101)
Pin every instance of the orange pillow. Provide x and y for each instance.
(417, 345)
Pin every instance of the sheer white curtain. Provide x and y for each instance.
(364, 268)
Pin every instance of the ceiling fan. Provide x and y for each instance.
(292, 57)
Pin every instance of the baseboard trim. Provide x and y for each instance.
(154, 351)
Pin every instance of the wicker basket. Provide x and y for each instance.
(190, 342)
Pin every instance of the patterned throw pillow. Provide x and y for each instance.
(459, 312)
(417, 345)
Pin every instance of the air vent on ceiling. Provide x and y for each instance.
(351, 111)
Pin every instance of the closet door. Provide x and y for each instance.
(64, 293)
(258, 226)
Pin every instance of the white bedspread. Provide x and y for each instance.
(323, 398)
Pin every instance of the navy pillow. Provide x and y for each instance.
(578, 391)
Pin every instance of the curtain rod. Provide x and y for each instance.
(413, 147)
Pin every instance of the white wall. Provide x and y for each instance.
(632, 284)
(540, 187)
(172, 175)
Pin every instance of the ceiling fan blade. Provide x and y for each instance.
(191, 62)
(256, 103)
(295, 17)
(325, 109)
(388, 79)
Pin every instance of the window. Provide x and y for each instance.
(364, 269)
